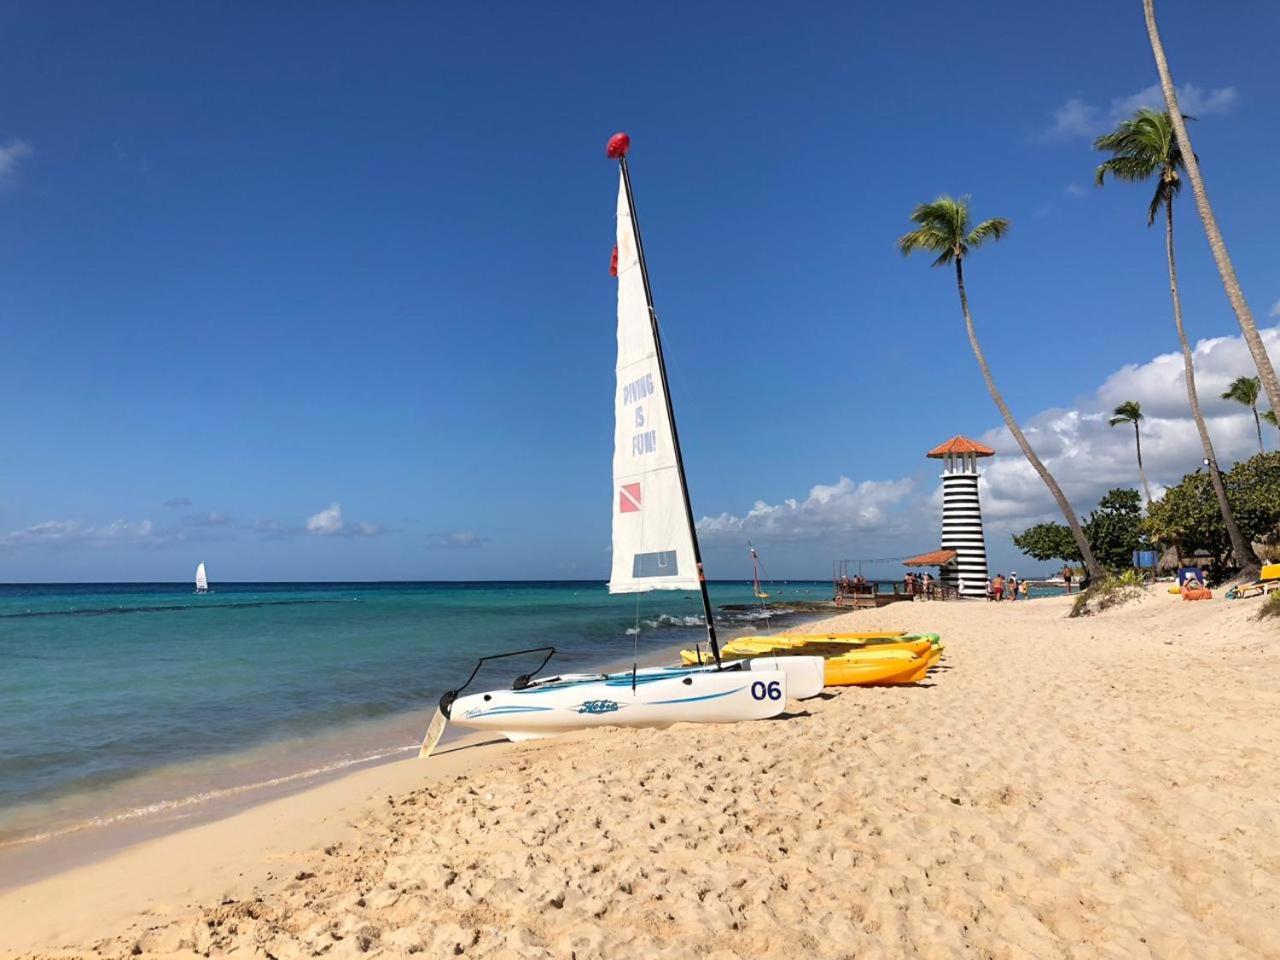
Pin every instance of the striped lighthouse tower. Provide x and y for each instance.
(962, 515)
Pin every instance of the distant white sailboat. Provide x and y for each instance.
(655, 547)
(202, 579)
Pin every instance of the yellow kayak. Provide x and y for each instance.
(875, 635)
(846, 672)
(763, 646)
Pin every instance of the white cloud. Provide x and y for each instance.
(328, 522)
(209, 519)
(61, 532)
(1275, 309)
(843, 507)
(10, 154)
(458, 539)
(1088, 456)
(1077, 118)
(1085, 454)
(1192, 100)
(1075, 190)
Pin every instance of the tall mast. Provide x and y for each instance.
(617, 149)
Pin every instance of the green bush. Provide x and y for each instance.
(1270, 607)
(1110, 591)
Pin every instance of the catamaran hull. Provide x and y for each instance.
(658, 699)
(804, 674)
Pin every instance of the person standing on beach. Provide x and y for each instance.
(1024, 589)
(997, 587)
(1013, 586)
(1066, 578)
(991, 591)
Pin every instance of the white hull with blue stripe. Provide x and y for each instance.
(658, 698)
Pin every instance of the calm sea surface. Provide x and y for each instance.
(119, 700)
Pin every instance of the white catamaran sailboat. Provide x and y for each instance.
(202, 579)
(655, 547)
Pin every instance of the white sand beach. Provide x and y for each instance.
(1098, 787)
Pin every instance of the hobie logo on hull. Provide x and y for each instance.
(598, 706)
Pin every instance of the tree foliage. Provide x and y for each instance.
(1253, 487)
(1114, 530)
(1048, 541)
(1141, 147)
(1188, 516)
(944, 229)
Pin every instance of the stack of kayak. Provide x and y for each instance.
(850, 659)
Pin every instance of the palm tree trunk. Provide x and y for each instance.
(1257, 425)
(1239, 545)
(1266, 372)
(1142, 474)
(1090, 564)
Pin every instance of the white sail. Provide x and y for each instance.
(652, 542)
(202, 579)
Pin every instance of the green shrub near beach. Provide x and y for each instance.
(1270, 608)
(1110, 591)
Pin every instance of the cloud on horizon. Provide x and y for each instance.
(1078, 118)
(202, 527)
(457, 540)
(842, 507)
(1086, 455)
(329, 523)
(79, 533)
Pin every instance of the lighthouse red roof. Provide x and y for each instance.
(957, 445)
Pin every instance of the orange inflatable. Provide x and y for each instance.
(1196, 593)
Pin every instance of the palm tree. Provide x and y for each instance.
(1270, 417)
(1266, 372)
(1143, 147)
(943, 229)
(1245, 390)
(1131, 412)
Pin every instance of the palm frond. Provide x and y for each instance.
(1141, 147)
(927, 238)
(1126, 167)
(993, 229)
(1270, 417)
(1128, 412)
(1244, 390)
(944, 230)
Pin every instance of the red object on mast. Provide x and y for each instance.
(618, 146)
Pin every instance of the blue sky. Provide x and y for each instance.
(261, 260)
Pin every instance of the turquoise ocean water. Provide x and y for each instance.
(130, 700)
